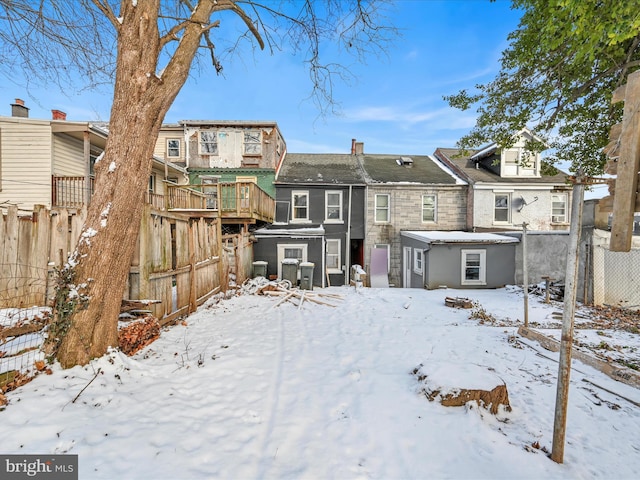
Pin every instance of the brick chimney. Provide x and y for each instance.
(18, 109)
(58, 115)
(359, 148)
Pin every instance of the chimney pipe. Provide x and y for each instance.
(58, 115)
(353, 146)
(18, 109)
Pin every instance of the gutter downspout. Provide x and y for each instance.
(347, 247)
(323, 274)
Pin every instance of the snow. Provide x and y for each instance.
(246, 390)
(455, 236)
(112, 167)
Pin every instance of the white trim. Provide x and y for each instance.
(295, 207)
(280, 248)
(375, 208)
(333, 241)
(418, 261)
(482, 267)
(435, 207)
(326, 206)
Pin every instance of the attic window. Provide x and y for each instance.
(252, 143)
(405, 161)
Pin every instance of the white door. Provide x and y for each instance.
(406, 267)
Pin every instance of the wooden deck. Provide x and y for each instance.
(233, 202)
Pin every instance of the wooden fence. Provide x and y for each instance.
(180, 261)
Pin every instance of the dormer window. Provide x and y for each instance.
(518, 162)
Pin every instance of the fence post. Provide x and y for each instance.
(566, 342)
(193, 274)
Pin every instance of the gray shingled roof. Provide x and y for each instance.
(385, 169)
(321, 168)
(482, 175)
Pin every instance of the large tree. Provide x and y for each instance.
(147, 49)
(557, 77)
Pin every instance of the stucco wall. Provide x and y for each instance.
(537, 213)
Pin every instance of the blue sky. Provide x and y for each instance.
(394, 105)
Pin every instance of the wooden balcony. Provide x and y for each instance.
(234, 202)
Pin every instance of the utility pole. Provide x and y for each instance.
(566, 342)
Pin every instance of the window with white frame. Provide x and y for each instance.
(502, 208)
(559, 208)
(300, 206)
(332, 257)
(152, 183)
(418, 257)
(333, 206)
(386, 247)
(252, 143)
(173, 147)
(208, 142)
(474, 268)
(285, 250)
(382, 208)
(428, 208)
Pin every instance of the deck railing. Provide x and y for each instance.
(70, 192)
(244, 201)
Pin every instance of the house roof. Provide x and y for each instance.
(457, 237)
(320, 168)
(421, 169)
(461, 162)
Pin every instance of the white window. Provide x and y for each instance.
(173, 147)
(333, 206)
(518, 162)
(382, 208)
(208, 142)
(474, 271)
(333, 256)
(252, 143)
(300, 203)
(385, 246)
(502, 208)
(297, 251)
(417, 260)
(428, 208)
(559, 208)
(152, 183)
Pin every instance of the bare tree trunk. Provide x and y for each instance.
(100, 264)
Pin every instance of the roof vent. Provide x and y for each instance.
(405, 161)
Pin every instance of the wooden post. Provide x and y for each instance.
(87, 167)
(566, 343)
(626, 184)
(547, 287)
(193, 305)
(525, 274)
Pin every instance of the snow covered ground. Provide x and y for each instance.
(247, 390)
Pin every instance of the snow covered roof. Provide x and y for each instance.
(458, 237)
(289, 232)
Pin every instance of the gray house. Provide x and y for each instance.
(434, 259)
(319, 217)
